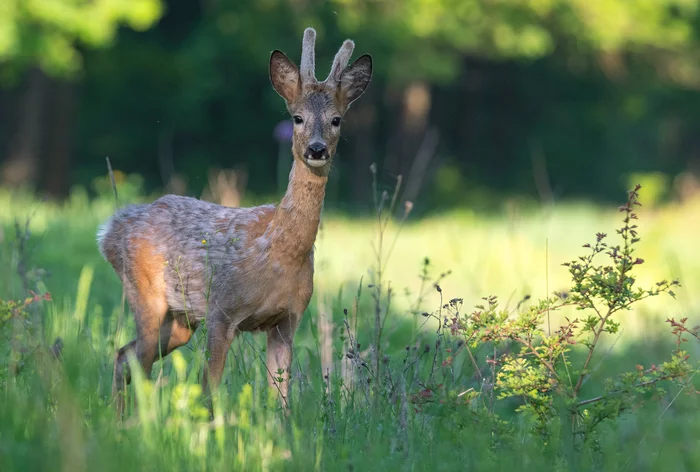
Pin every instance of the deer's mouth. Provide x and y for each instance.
(317, 161)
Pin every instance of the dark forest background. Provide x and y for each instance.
(471, 99)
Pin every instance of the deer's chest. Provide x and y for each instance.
(283, 291)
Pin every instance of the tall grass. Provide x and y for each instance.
(58, 415)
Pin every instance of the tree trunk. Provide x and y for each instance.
(59, 139)
(411, 129)
(364, 120)
(23, 157)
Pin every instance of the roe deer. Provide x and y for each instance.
(183, 260)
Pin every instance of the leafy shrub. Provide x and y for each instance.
(535, 370)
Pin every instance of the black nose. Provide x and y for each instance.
(317, 150)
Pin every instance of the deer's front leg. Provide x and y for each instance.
(280, 339)
(219, 339)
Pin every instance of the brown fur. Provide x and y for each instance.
(183, 260)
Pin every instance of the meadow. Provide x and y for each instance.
(58, 414)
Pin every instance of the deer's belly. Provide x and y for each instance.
(276, 303)
(262, 322)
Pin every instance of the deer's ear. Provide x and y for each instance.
(355, 79)
(284, 76)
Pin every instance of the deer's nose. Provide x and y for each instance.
(316, 150)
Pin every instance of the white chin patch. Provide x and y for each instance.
(317, 162)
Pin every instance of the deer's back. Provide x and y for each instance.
(189, 251)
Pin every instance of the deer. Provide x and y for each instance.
(183, 261)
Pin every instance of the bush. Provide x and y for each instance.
(535, 370)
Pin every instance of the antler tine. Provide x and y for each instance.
(308, 56)
(341, 61)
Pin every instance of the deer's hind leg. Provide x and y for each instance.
(153, 342)
(158, 333)
(150, 317)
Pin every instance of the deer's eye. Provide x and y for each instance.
(336, 121)
(297, 119)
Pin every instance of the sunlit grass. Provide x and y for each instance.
(61, 418)
(515, 253)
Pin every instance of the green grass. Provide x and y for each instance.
(60, 417)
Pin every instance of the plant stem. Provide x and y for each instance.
(590, 354)
(617, 392)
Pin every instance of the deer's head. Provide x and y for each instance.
(317, 108)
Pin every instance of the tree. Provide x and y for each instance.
(40, 47)
(49, 33)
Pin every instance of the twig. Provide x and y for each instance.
(617, 392)
(545, 362)
(479, 375)
(114, 182)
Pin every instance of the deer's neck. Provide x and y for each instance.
(295, 224)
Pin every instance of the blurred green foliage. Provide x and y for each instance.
(49, 32)
(431, 35)
(583, 92)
